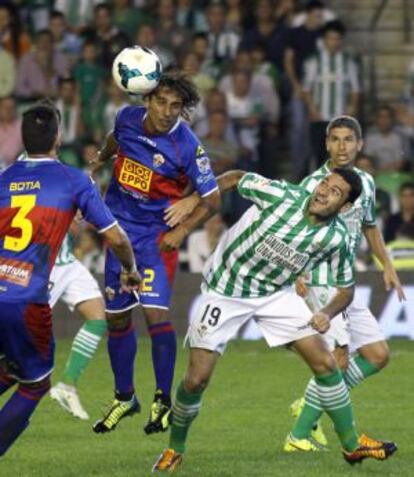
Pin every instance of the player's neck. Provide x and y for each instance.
(51, 154)
(149, 126)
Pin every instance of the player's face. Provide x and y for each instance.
(343, 146)
(329, 196)
(164, 108)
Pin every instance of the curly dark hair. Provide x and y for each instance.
(182, 85)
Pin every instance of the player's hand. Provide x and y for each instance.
(130, 281)
(392, 281)
(300, 287)
(173, 239)
(94, 166)
(320, 322)
(178, 212)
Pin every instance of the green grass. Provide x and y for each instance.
(239, 432)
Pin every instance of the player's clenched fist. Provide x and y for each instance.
(173, 239)
(130, 281)
(320, 322)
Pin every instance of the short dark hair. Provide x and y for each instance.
(313, 5)
(406, 186)
(336, 26)
(182, 85)
(354, 181)
(345, 121)
(40, 127)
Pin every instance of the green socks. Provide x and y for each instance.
(358, 370)
(185, 408)
(83, 348)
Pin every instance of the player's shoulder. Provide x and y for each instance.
(341, 230)
(368, 182)
(75, 177)
(183, 133)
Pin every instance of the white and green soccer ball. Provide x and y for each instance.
(136, 70)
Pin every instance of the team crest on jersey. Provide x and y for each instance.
(158, 160)
(200, 151)
(203, 164)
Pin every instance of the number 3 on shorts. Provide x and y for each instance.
(213, 314)
(25, 204)
(149, 276)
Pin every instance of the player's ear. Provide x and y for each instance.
(345, 207)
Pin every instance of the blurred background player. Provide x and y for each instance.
(71, 282)
(38, 199)
(357, 327)
(285, 232)
(157, 158)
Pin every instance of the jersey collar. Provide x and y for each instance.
(25, 158)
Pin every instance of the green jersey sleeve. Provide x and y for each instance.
(370, 215)
(262, 191)
(341, 265)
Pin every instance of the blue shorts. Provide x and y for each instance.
(156, 268)
(26, 340)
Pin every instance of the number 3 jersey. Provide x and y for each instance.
(152, 171)
(38, 199)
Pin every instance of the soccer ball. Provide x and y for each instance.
(136, 70)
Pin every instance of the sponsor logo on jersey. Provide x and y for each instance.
(147, 141)
(15, 271)
(276, 251)
(203, 164)
(200, 151)
(158, 160)
(135, 175)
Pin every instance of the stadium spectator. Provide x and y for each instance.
(108, 38)
(222, 153)
(201, 243)
(39, 70)
(301, 44)
(66, 42)
(404, 216)
(191, 66)
(405, 113)
(222, 43)
(116, 100)
(330, 86)
(90, 78)
(127, 18)
(146, 37)
(401, 249)
(327, 16)
(267, 33)
(385, 143)
(237, 13)
(68, 105)
(190, 17)
(78, 13)
(11, 144)
(12, 37)
(169, 34)
(7, 73)
(200, 46)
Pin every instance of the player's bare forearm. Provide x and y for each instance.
(339, 302)
(109, 149)
(229, 180)
(377, 245)
(119, 243)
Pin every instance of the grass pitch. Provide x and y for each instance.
(239, 431)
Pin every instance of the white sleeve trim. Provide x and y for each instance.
(108, 227)
(209, 192)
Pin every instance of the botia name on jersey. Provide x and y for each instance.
(277, 252)
(20, 186)
(15, 271)
(135, 175)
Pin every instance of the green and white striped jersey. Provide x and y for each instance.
(330, 79)
(274, 242)
(65, 254)
(362, 213)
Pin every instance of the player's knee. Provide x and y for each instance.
(116, 322)
(325, 364)
(196, 382)
(35, 391)
(377, 354)
(342, 357)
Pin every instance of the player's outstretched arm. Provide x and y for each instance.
(109, 149)
(320, 321)
(181, 210)
(118, 241)
(377, 245)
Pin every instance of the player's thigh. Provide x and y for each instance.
(81, 289)
(26, 340)
(216, 320)
(59, 279)
(314, 351)
(284, 317)
(154, 316)
(363, 326)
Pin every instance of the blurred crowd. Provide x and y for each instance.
(271, 74)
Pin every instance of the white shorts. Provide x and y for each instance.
(282, 318)
(355, 327)
(73, 284)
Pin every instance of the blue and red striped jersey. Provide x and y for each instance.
(38, 199)
(152, 171)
